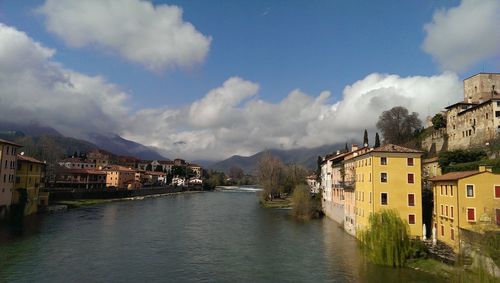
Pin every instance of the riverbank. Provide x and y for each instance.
(285, 203)
(87, 202)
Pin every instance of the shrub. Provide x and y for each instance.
(302, 205)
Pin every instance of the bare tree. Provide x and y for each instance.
(269, 175)
(397, 125)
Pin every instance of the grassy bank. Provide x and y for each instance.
(277, 203)
(433, 266)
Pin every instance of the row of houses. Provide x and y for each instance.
(367, 180)
(99, 169)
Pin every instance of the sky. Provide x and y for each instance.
(210, 79)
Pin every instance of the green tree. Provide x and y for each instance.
(365, 138)
(318, 168)
(149, 167)
(386, 241)
(159, 168)
(438, 121)
(346, 149)
(377, 140)
(397, 125)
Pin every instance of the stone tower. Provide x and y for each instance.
(481, 87)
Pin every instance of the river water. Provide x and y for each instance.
(200, 237)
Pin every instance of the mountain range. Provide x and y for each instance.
(48, 144)
(306, 157)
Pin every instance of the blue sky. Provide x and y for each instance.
(284, 45)
(279, 52)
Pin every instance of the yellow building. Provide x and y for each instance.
(120, 177)
(389, 177)
(30, 178)
(467, 200)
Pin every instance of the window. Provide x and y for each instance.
(411, 178)
(470, 191)
(442, 210)
(446, 190)
(411, 219)
(497, 114)
(411, 200)
(471, 214)
(452, 234)
(451, 190)
(451, 212)
(383, 198)
(441, 189)
(409, 161)
(498, 216)
(383, 177)
(442, 230)
(497, 191)
(446, 209)
(383, 160)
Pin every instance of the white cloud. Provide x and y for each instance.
(230, 119)
(463, 36)
(33, 87)
(222, 123)
(154, 36)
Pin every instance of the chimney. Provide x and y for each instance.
(354, 147)
(485, 168)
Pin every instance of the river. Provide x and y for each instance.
(200, 237)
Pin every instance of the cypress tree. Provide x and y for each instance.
(377, 140)
(346, 148)
(365, 138)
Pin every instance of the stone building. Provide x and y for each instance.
(476, 120)
(472, 122)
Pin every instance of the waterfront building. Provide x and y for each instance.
(333, 196)
(76, 163)
(120, 177)
(30, 180)
(388, 177)
(465, 201)
(349, 188)
(8, 159)
(81, 179)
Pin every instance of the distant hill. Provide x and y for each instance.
(120, 146)
(48, 144)
(306, 157)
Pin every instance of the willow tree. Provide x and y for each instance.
(386, 241)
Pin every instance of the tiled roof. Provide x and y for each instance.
(455, 175)
(118, 168)
(9, 143)
(193, 165)
(479, 105)
(85, 171)
(28, 159)
(395, 148)
(430, 160)
(459, 103)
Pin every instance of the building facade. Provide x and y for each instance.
(8, 159)
(120, 177)
(389, 177)
(468, 200)
(30, 180)
(81, 179)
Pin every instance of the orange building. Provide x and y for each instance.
(120, 177)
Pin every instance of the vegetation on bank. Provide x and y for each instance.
(304, 205)
(386, 240)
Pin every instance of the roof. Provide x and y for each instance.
(430, 160)
(194, 165)
(118, 168)
(74, 160)
(459, 103)
(85, 171)
(165, 162)
(481, 73)
(28, 159)
(455, 175)
(479, 105)
(9, 143)
(395, 148)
